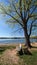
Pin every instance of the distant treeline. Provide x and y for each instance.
(35, 37)
(11, 37)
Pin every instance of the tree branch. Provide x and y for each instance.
(24, 9)
(17, 30)
(29, 16)
(28, 3)
(31, 26)
(11, 16)
(33, 9)
(15, 19)
(16, 10)
(33, 15)
(14, 7)
(31, 4)
(20, 6)
(28, 9)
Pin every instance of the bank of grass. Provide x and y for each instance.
(24, 59)
(5, 47)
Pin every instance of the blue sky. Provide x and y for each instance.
(6, 30)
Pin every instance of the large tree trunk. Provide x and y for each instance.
(27, 37)
(27, 51)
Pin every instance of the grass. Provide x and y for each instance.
(30, 59)
(5, 47)
(24, 59)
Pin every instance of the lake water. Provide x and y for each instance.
(15, 40)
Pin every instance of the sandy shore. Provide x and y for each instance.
(34, 43)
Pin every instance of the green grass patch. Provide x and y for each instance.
(3, 48)
(30, 59)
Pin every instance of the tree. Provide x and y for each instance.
(22, 12)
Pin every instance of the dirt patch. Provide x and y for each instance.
(9, 57)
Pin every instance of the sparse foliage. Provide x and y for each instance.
(23, 12)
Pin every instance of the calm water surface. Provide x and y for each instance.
(16, 40)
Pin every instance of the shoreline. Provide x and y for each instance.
(33, 43)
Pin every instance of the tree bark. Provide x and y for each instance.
(27, 37)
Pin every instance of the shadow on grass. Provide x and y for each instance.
(24, 52)
(2, 50)
(27, 52)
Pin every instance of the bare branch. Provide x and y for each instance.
(31, 4)
(33, 15)
(17, 30)
(24, 9)
(12, 16)
(15, 19)
(20, 7)
(31, 26)
(27, 19)
(28, 9)
(33, 9)
(16, 10)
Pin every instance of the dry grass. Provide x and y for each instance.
(9, 57)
